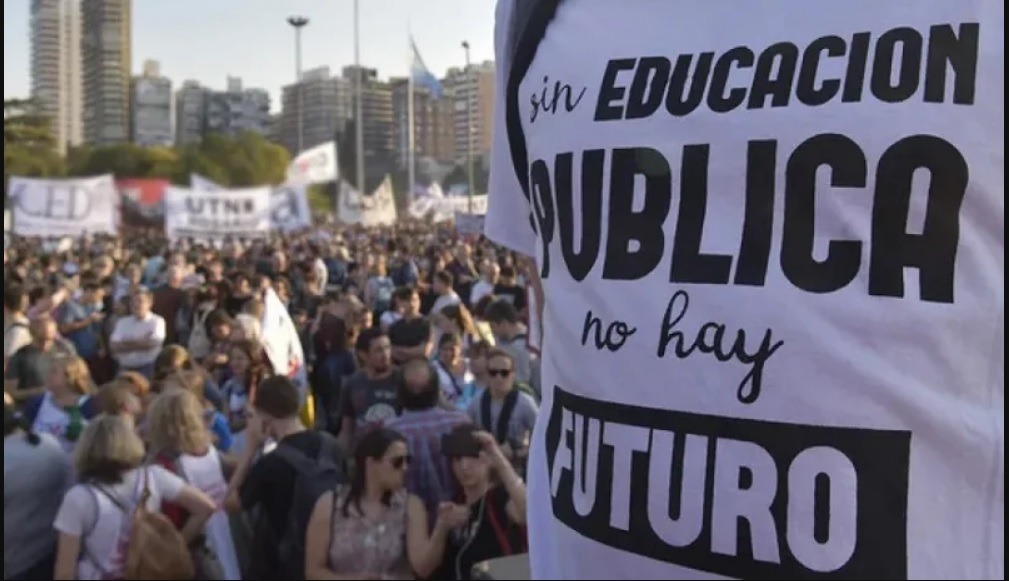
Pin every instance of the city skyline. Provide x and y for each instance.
(327, 41)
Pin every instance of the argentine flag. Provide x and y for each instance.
(421, 75)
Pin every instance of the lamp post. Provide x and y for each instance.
(359, 98)
(298, 23)
(471, 181)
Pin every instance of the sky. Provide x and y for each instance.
(209, 40)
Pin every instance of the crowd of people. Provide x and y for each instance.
(148, 432)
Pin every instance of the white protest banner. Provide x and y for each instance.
(281, 343)
(289, 209)
(70, 207)
(210, 216)
(443, 209)
(378, 209)
(314, 165)
(469, 224)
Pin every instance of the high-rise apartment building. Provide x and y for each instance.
(433, 124)
(151, 107)
(55, 46)
(106, 44)
(472, 89)
(190, 110)
(237, 110)
(377, 113)
(327, 102)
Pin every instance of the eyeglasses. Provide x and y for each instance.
(499, 372)
(400, 462)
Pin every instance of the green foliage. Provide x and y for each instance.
(29, 145)
(459, 176)
(247, 160)
(321, 198)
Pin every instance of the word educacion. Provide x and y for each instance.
(635, 242)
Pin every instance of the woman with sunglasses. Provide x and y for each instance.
(374, 529)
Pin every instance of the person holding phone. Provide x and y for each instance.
(493, 494)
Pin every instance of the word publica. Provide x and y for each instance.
(904, 62)
(635, 242)
(733, 497)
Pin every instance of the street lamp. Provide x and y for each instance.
(469, 131)
(359, 105)
(299, 22)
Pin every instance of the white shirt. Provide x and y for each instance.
(480, 289)
(828, 386)
(131, 328)
(102, 526)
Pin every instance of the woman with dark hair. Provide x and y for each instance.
(373, 529)
(37, 473)
(249, 367)
(334, 360)
(494, 497)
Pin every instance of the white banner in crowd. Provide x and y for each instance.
(289, 209)
(469, 224)
(281, 342)
(378, 209)
(444, 209)
(209, 216)
(314, 165)
(67, 207)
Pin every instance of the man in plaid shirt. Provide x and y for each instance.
(423, 423)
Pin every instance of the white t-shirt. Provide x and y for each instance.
(749, 369)
(133, 329)
(90, 514)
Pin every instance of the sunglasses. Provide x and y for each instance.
(499, 372)
(400, 462)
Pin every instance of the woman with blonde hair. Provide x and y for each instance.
(174, 359)
(68, 402)
(93, 521)
(181, 443)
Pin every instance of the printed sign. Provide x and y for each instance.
(469, 224)
(315, 165)
(66, 207)
(444, 209)
(289, 209)
(211, 216)
(378, 209)
(142, 202)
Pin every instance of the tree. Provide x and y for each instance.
(29, 145)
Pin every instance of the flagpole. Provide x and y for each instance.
(411, 160)
(359, 92)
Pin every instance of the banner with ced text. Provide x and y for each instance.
(445, 208)
(142, 202)
(212, 217)
(378, 209)
(64, 207)
(289, 209)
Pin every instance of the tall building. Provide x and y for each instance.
(378, 115)
(190, 110)
(106, 41)
(433, 124)
(237, 110)
(327, 103)
(472, 89)
(55, 46)
(151, 107)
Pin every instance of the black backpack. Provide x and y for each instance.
(314, 477)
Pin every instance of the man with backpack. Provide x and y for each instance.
(283, 471)
(770, 237)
